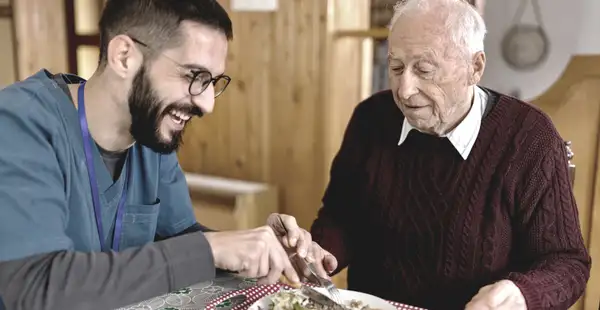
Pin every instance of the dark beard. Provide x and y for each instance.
(146, 116)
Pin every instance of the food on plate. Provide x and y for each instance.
(286, 281)
(295, 300)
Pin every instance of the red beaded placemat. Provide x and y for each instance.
(255, 293)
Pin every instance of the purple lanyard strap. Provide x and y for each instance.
(87, 146)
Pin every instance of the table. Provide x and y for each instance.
(197, 296)
(215, 293)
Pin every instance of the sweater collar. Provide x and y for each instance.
(464, 135)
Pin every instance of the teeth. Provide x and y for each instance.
(181, 116)
(176, 119)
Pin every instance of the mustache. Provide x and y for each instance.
(185, 108)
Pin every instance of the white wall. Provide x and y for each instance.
(589, 36)
(573, 27)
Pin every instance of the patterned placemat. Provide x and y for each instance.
(255, 293)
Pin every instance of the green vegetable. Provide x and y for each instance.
(297, 306)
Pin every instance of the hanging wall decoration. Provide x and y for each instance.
(526, 46)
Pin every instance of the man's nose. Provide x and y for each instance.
(407, 86)
(206, 100)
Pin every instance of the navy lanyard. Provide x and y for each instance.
(87, 146)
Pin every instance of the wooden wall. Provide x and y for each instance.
(41, 36)
(280, 121)
(7, 48)
(263, 125)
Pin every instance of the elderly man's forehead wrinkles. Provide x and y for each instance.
(405, 54)
(422, 37)
(420, 27)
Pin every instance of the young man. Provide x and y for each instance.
(90, 178)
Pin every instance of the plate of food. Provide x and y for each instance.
(307, 299)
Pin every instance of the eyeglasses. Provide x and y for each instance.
(199, 79)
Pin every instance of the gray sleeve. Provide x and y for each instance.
(74, 280)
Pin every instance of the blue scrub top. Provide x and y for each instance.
(45, 195)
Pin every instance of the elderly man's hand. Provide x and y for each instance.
(324, 262)
(292, 237)
(298, 243)
(498, 296)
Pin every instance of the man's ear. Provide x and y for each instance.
(478, 66)
(123, 56)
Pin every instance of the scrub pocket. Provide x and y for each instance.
(139, 225)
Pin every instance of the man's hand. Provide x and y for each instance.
(292, 237)
(325, 263)
(298, 243)
(498, 296)
(254, 253)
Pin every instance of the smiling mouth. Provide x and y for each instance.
(179, 117)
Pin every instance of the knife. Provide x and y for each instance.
(321, 298)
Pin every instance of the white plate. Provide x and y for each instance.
(366, 299)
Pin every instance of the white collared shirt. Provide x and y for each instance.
(464, 135)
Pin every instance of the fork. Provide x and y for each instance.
(328, 285)
(322, 298)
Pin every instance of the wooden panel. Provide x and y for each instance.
(82, 29)
(41, 36)
(345, 71)
(267, 125)
(228, 204)
(5, 11)
(7, 50)
(297, 115)
(374, 33)
(213, 212)
(573, 103)
(232, 142)
(87, 16)
(346, 76)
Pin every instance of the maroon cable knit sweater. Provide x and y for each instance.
(417, 224)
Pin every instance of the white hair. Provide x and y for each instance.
(465, 25)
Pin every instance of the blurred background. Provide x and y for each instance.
(299, 67)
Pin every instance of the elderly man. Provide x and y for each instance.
(448, 195)
(90, 178)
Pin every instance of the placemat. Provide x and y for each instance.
(255, 293)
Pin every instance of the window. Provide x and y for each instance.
(83, 35)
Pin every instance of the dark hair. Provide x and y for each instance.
(156, 22)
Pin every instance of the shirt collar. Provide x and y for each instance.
(464, 135)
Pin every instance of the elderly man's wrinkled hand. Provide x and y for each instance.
(502, 295)
(300, 247)
(324, 262)
(293, 238)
